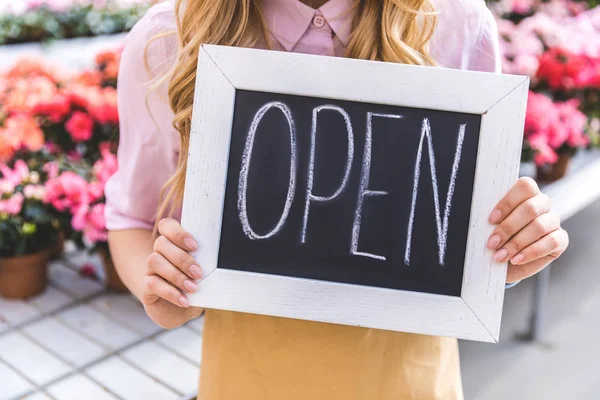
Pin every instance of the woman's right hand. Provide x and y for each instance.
(171, 272)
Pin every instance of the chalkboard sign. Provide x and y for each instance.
(349, 192)
(356, 195)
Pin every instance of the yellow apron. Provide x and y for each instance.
(254, 357)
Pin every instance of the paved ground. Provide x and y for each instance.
(565, 365)
(76, 339)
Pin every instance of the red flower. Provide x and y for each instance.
(88, 270)
(80, 126)
(55, 109)
(104, 109)
(562, 70)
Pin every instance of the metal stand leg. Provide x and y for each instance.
(539, 304)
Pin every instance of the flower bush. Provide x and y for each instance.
(552, 128)
(36, 20)
(58, 135)
(80, 197)
(38, 106)
(557, 44)
(27, 223)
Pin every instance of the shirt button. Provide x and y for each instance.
(318, 21)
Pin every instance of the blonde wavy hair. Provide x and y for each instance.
(382, 30)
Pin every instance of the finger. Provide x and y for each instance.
(524, 189)
(159, 265)
(553, 245)
(535, 230)
(158, 286)
(171, 229)
(525, 213)
(517, 273)
(178, 257)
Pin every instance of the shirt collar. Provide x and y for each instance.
(288, 20)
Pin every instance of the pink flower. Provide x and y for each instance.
(13, 205)
(95, 191)
(75, 187)
(51, 168)
(60, 6)
(80, 126)
(574, 123)
(522, 6)
(96, 216)
(525, 64)
(106, 166)
(33, 4)
(90, 221)
(96, 235)
(551, 126)
(67, 192)
(544, 153)
(79, 222)
(17, 175)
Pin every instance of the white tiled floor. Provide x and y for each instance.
(64, 342)
(162, 364)
(126, 311)
(69, 281)
(98, 327)
(78, 341)
(129, 382)
(184, 341)
(30, 359)
(51, 300)
(12, 384)
(38, 396)
(17, 312)
(74, 387)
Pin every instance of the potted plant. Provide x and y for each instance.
(553, 133)
(77, 191)
(28, 231)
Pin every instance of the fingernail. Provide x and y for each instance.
(190, 286)
(184, 301)
(500, 255)
(518, 258)
(495, 216)
(494, 242)
(190, 244)
(196, 272)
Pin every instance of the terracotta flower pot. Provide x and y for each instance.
(113, 282)
(554, 172)
(24, 276)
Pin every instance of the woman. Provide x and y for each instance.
(257, 357)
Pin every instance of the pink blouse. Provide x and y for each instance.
(465, 38)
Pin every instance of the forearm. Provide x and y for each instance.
(130, 250)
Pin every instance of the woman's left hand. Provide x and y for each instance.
(527, 233)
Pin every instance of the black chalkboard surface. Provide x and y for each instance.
(359, 234)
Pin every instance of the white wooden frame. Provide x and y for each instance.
(499, 99)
